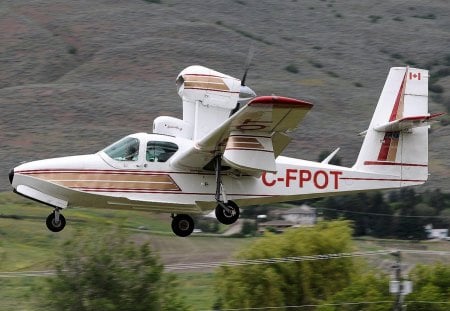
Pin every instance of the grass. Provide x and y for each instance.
(20, 293)
(27, 245)
(198, 289)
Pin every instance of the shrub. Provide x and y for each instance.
(374, 18)
(291, 68)
(436, 88)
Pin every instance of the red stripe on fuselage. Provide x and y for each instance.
(393, 163)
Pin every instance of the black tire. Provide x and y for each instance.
(182, 225)
(52, 225)
(226, 217)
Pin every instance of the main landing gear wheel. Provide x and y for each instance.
(55, 221)
(227, 213)
(182, 225)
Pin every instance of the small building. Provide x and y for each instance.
(441, 234)
(303, 215)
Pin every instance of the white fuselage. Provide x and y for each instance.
(97, 180)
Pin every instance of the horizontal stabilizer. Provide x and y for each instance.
(407, 123)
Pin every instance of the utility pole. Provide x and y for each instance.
(398, 286)
(398, 281)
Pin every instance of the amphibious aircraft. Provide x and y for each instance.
(225, 153)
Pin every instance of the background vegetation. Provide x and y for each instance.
(93, 236)
(107, 271)
(399, 214)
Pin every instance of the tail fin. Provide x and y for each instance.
(396, 142)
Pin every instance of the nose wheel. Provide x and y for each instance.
(182, 225)
(55, 221)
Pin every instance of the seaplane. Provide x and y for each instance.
(225, 154)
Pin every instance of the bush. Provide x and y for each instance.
(436, 88)
(104, 271)
(374, 18)
(291, 68)
(248, 228)
(286, 284)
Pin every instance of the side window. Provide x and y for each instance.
(160, 151)
(126, 149)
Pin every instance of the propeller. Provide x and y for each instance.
(251, 52)
(247, 93)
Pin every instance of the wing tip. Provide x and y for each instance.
(279, 102)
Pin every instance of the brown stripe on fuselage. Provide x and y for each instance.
(109, 180)
(118, 185)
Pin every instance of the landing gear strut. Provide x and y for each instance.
(55, 221)
(227, 212)
(182, 225)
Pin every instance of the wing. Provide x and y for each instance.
(251, 139)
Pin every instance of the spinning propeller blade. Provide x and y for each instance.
(251, 52)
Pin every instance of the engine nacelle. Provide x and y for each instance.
(208, 98)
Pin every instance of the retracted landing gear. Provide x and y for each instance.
(227, 212)
(55, 221)
(182, 225)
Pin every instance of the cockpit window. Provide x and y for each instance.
(126, 149)
(160, 151)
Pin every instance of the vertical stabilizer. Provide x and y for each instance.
(396, 142)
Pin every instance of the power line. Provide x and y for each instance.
(215, 264)
(330, 304)
(275, 260)
(381, 214)
(243, 262)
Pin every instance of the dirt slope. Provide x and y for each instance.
(77, 75)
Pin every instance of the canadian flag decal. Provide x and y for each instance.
(414, 75)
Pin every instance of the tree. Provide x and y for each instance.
(431, 292)
(295, 283)
(370, 290)
(108, 272)
(248, 227)
(431, 285)
(380, 225)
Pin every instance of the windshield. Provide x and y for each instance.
(126, 149)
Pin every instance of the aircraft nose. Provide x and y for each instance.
(11, 175)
